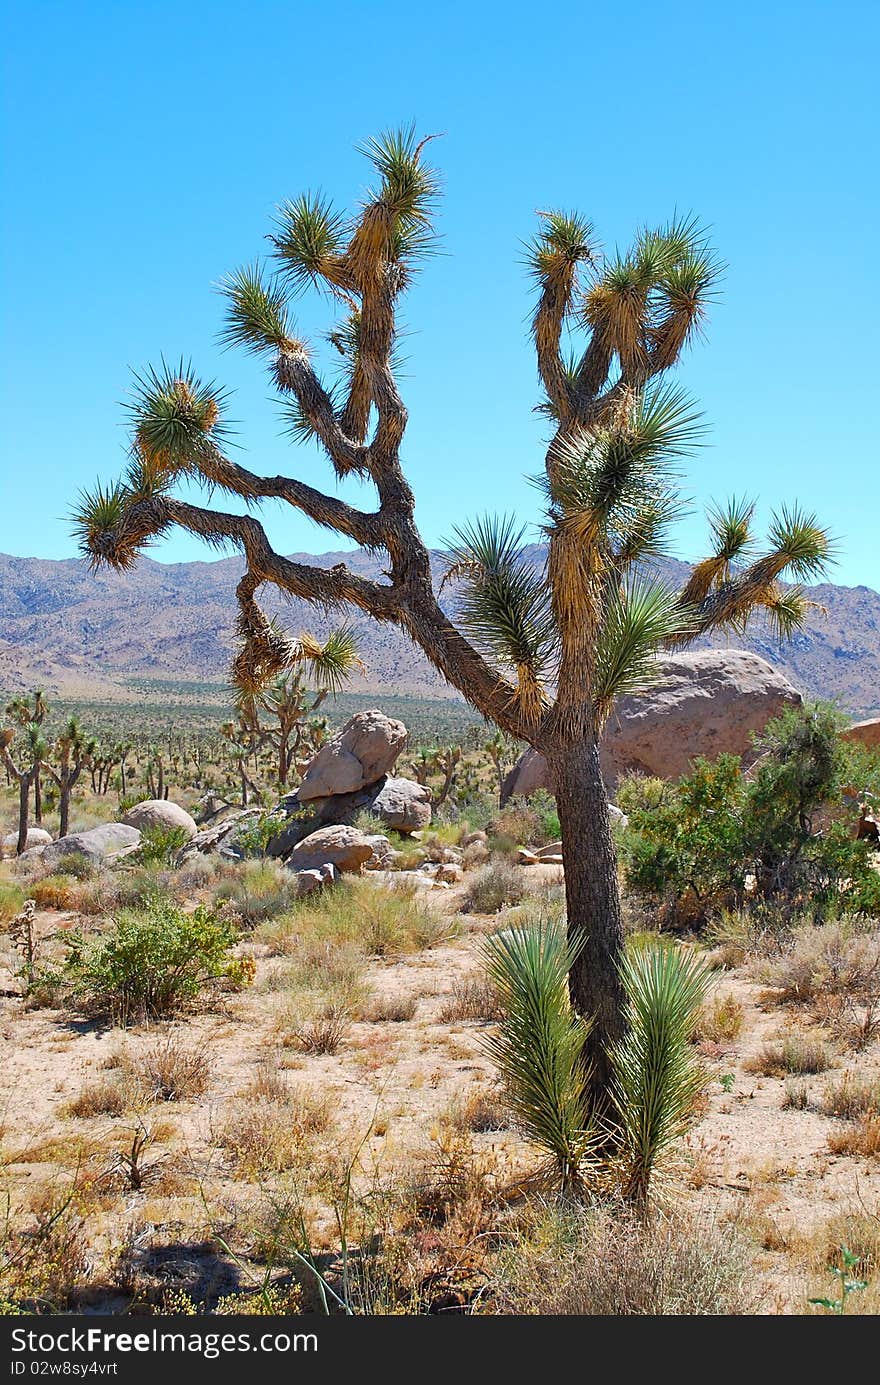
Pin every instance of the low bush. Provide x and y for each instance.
(160, 844)
(835, 959)
(258, 891)
(171, 1069)
(592, 1263)
(152, 964)
(498, 884)
(11, 900)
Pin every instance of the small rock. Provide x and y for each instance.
(474, 837)
(450, 873)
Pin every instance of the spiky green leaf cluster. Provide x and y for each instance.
(408, 190)
(656, 1076)
(539, 1044)
(256, 311)
(503, 601)
(613, 483)
(640, 618)
(309, 238)
(173, 413)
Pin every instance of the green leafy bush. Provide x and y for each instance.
(152, 963)
(719, 839)
(161, 844)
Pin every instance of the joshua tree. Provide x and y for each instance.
(298, 731)
(22, 712)
(74, 750)
(35, 753)
(542, 652)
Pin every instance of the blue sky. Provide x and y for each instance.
(147, 144)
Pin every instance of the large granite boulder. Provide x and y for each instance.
(343, 847)
(160, 813)
(100, 844)
(36, 836)
(707, 702)
(361, 753)
(865, 733)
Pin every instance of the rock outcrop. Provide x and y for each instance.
(865, 733)
(708, 701)
(100, 844)
(363, 752)
(160, 813)
(351, 774)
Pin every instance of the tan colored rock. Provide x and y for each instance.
(343, 847)
(112, 840)
(449, 873)
(866, 733)
(36, 836)
(361, 753)
(160, 813)
(708, 702)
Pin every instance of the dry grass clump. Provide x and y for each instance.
(590, 1263)
(720, 1020)
(259, 890)
(798, 1054)
(102, 1098)
(496, 885)
(473, 997)
(11, 900)
(858, 1230)
(171, 1069)
(320, 1032)
(483, 1109)
(390, 1009)
(850, 1097)
(860, 1138)
(44, 1261)
(833, 959)
(362, 916)
(266, 1125)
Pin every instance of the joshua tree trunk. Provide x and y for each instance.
(592, 897)
(24, 791)
(38, 798)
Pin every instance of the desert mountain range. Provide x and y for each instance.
(84, 634)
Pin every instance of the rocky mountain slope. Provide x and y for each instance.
(71, 631)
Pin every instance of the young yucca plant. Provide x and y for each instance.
(539, 1046)
(656, 1079)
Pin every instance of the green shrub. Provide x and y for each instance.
(152, 963)
(718, 840)
(260, 890)
(160, 845)
(255, 834)
(77, 864)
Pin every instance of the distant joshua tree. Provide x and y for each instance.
(541, 652)
(74, 750)
(25, 774)
(21, 712)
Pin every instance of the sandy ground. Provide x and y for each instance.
(390, 1085)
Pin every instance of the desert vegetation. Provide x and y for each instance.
(307, 1017)
(223, 1096)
